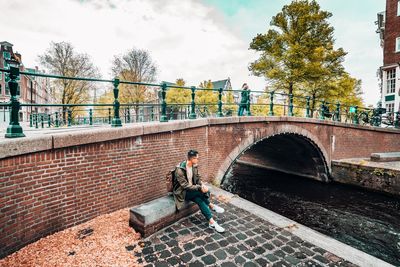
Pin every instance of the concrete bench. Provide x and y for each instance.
(152, 216)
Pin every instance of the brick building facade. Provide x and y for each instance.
(31, 89)
(389, 31)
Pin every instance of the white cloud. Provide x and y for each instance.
(185, 38)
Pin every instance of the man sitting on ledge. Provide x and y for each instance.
(188, 186)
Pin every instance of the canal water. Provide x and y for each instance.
(362, 219)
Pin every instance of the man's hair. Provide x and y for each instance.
(192, 153)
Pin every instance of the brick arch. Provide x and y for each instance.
(251, 140)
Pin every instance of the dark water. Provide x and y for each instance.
(365, 220)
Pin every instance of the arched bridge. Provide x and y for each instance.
(67, 176)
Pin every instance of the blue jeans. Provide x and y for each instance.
(201, 199)
(242, 108)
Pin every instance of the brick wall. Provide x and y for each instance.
(392, 31)
(48, 191)
(44, 192)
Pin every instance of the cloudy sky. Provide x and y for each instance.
(190, 39)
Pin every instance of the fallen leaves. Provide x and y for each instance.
(224, 199)
(107, 240)
(291, 227)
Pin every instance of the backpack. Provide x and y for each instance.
(171, 179)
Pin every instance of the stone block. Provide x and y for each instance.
(170, 126)
(152, 216)
(89, 136)
(20, 146)
(223, 120)
(384, 157)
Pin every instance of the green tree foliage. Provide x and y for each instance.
(178, 96)
(297, 54)
(229, 107)
(261, 107)
(62, 59)
(206, 97)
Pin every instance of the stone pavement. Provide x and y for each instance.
(248, 241)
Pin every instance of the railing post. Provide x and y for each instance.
(192, 114)
(338, 111)
(248, 112)
(90, 116)
(290, 113)
(271, 103)
(57, 120)
(171, 113)
(69, 117)
(30, 120)
(109, 115)
(220, 114)
(48, 120)
(42, 120)
(356, 121)
(163, 117)
(322, 111)
(308, 115)
(128, 111)
(116, 122)
(36, 120)
(14, 130)
(152, 113)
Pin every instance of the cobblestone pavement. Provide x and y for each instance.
(248, 241)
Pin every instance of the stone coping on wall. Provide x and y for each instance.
(52, 138)
(366, 162)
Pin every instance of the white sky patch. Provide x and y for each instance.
(365, 55)
(185, 38)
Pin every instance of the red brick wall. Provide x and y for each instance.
(45, 192)
(392, 31)
(348, 142)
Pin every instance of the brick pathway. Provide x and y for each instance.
(248, 241)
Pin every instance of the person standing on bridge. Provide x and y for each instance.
(244, 100)
(188, 186)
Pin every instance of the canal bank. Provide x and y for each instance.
(365, 220)
(372, 175)
(305, 233)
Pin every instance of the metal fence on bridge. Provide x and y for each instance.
(272, 103)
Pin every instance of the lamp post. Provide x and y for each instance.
(14, 130)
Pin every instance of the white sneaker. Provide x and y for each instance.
(218, 209)
(217, 227)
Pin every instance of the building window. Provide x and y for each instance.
(398, 8)
(390, 108)
(6, 55)
(7, 89)
(390, 81)
(398, 44)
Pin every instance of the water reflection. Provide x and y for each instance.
(365, 220)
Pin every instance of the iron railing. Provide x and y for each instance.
(276, 103)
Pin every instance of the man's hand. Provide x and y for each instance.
(204, 189)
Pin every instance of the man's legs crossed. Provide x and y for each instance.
(202, 200)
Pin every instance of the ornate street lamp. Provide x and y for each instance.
(14, 129)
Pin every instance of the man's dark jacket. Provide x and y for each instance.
(181, 184)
